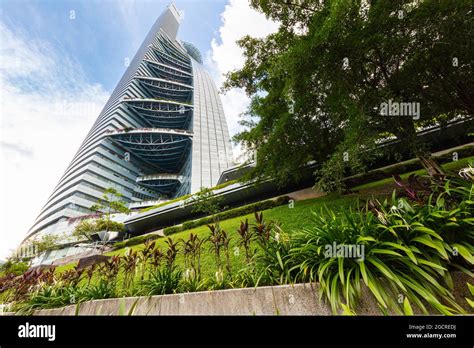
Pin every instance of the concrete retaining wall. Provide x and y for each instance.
(299, 299)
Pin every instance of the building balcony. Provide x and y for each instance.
(160, 113)
(168, 89)
(168, 59)
(161, 183)
(169, 72)
(164, 149)
(172, 48)
(145, 204)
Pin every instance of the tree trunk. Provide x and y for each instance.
(433, 169)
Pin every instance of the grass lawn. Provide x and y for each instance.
(289, 218)
(450, 168)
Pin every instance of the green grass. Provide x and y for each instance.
(291, 217)
(450, 168)
(288, 216)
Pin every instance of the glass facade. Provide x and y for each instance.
(162, 134)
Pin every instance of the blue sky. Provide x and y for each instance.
(105, 32)
(57, 73)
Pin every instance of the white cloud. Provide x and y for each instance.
(46, 109)
(238, 20)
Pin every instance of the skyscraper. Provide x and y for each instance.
(162, 134)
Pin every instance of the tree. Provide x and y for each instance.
(85, 229)
(319, 83)
(206, 202)
(46, 242)
(110, 203)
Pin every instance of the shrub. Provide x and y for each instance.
(173, 229)
(408, 166)
(135, 240)
(103, 289)
(408, 250)
(161, 281)
(48, 296)
(15, 268)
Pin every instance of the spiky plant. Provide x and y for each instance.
(409, 250)
(110, 268)
(171, 253)
(225, 241)
(129, 262)
(215, 238)
(261, 228)
(145, 255)
(90, 272)
(71, 277)
(245, 239)
(192, 254)
(156, 258)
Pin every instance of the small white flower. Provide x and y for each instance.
(467, 173)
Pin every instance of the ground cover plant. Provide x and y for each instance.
(412, 241)
(274, 247)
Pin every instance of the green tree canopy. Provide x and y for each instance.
(47, 242)
(318, 84)
(206, 202)
(86, 228)
(111, 202)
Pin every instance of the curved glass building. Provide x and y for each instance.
(162, 134)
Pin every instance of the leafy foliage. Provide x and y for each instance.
(206, 202)
(14, 267)
(410, 243)
(317, 84)
(86, 228)
(409, 249)
(109, 203)
(162, 281)
(46, 242)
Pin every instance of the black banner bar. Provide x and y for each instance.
(429, 331)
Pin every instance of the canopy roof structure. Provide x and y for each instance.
(165, 58)
(169, 72)
(161, 148)
(162, 183)
(159, 113)
(168, 89)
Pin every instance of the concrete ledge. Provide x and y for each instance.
(298, 299)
